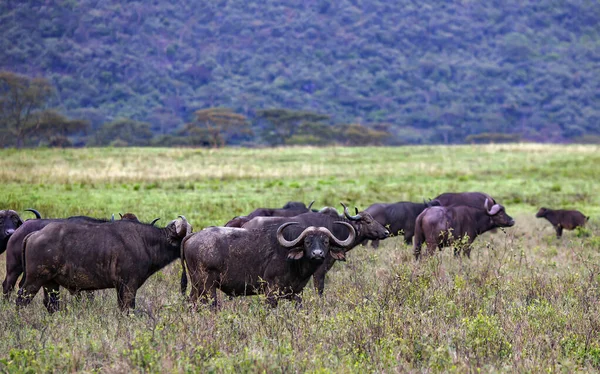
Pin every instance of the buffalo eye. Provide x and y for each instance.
(1, 221)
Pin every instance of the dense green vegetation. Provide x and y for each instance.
(433, 71)
(524, 302)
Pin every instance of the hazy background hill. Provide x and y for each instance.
(434, 71)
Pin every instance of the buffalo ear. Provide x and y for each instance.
(295, 254)
(19, 220)
(338, 255)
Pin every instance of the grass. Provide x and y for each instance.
(525, 301)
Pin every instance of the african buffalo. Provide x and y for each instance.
(244, 262)
(9, 222)
(563, 219)
(472, 199)
(14, 262)
(84, 256)
(365, 226)
(398, 217)
(290, 209)
(440, 226)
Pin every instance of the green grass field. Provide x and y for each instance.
(525, 301)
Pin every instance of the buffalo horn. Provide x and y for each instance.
(310, 205)
(154, 221)
(37, 214)
(120, 215)
(348, 241)
(288, 244)
(493, 210)
(347, 214)
(185, 224)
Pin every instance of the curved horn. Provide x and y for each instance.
(494, 209)
(183, 224)
(112, 218)
(154, 221)
(120, 215)
(347, 214)
(310, 205)
(288, 244)
(37, 214)
(349, 240)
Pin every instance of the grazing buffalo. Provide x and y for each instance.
(9, 222)
(14, 262)
(398, 217)
(440, 226)
(90, 256)
(472, 199)
(244, 262)
(364, 225)
(563, 219)
(290, 209)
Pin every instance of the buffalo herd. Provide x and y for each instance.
(273, 252)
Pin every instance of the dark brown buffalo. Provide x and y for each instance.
(472, 199)
(290, 209)
(364, 225)
(14, 262)
(244, 262)
(563, 219)
(398, 217)
(83, 256)
(440, 226)
(9, 222)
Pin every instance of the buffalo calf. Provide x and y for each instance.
(563, 219)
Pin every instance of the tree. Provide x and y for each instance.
(357, 134)
(123, 132)
(283, 124)
(55, 128)
(217, 126)
(21, 100)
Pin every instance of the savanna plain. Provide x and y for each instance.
(524, 302)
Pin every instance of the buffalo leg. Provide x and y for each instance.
(559, 229)
(27, 293)
(204, 287)
(52, 297)
(375, 243)
(126, 296)
(8, 285)
(319, 275)
(12, 275)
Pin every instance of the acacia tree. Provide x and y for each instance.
(357, 134)
(55, 128)
(216, 126)
(123, 132)
(21, 100)
(283, 124)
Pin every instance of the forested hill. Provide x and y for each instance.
(436, 71)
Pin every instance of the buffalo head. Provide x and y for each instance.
(315, 242)
(366, 225)
(177, 230)
(541, 213)
(9, 222)
(498, 215)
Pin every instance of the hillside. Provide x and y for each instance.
(436, 72)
